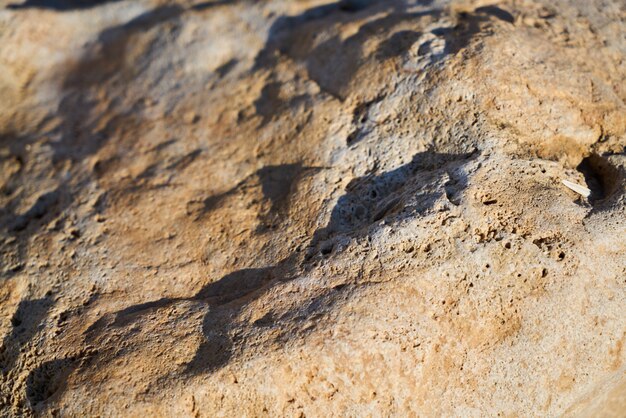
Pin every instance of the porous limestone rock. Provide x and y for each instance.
(312, 208)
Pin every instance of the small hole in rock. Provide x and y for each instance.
(602, 178)
(327, 248)
(352, 137)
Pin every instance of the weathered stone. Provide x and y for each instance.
(312, 208)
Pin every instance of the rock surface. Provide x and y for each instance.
(312, 208)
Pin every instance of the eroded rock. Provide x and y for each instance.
(312, 208)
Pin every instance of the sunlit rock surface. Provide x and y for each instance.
(312, 208)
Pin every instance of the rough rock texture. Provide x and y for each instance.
(312, 208)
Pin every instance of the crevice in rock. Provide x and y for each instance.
(602, 178)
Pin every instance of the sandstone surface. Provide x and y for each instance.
(312, 208)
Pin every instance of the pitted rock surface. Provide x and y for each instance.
(312, 208)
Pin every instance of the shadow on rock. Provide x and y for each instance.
(25, 324)
(83, 132)
(277, 184)
(59, 5)
(407, 191)
(333, 63)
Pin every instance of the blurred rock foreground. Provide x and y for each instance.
(312, 208)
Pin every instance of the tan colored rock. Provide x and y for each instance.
(312, 208)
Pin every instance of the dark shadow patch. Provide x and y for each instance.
(227, 336)
(602, 178)
(359, 121)
(398, 44)
(393, 195)
(237, 289)
(497, 12)
(60, 5)
(226, 68)
(213, 202)
(148, 172)
(48, 379)
(469, 25)
(333, 63)
(216, 349)
(105, 63)
(184, 161)
(353, 6)
(269, 104)
(163, 145)
(26, 323)
(206, 5)
(125, 316)
(278, 182)
(111, 49)
(235, 286)
(353, 137)
(45, 203)
(225, 298)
